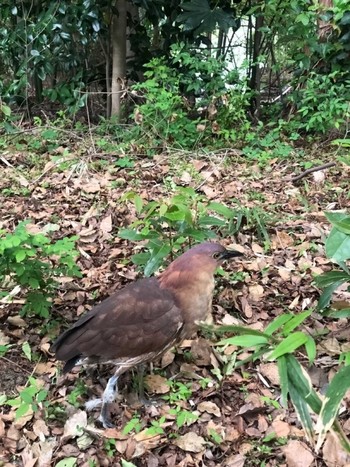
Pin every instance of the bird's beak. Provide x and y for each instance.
(228, 254)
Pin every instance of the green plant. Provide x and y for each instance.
(78, 391)
(338, 249)
(183, 417)
(34, 261)
(134, 424)
(31, 397)
(178, 392)
(156, 427)
(323, 102)
(110, 446)
(167, 225)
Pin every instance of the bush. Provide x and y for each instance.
(33, 261)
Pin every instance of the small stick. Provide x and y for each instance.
(313, 169)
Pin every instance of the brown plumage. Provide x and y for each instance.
(144, 319)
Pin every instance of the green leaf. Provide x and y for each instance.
(338, 245)
(302, 383)
(283, 376)
(326, 296)
(302, 410)
(27, 350)
(288, 345)
(244, 341)
(22, 410)
(156, 259)
(329, 278)
(310, 347)
(238, 330)
(126, 463)
(334, 217)
(278, 322)
(295, 322)
(331, 403)
(20, 255)
(67, 462)
(222, 210)
(138, 201)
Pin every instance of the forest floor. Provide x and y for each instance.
(211, 414)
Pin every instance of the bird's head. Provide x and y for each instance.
(199, 261)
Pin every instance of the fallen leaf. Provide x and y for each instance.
(75, 424)
(333, 454)
(270, 371)
(106, 224)
(157, 384)
(298, 454)
(190, 442)
(256, 292)
(209, 407)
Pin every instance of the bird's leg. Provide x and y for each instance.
(141, 382)
(108, 397)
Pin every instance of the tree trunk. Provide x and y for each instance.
(255, 79)
(118, 32)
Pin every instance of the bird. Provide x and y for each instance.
(141, 321)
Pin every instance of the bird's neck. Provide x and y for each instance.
(193, 293)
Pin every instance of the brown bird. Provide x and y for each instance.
(143, 320)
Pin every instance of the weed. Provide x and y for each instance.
(30, 397)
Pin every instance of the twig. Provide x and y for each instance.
(313, 169)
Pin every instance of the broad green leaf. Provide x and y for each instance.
(22, 410)
(328, 278)
(211, 220)
(156, 260)
(288, 345)
(338, 245)
(20, 255)
(331, 403)
(344, 313)
(302, 410)
(244, 341)
(27, 350)
(283, 376)
(295, 322)
(138, 201)
(67, 462)
(222, 210)
(326, 296)
(334, 217)
(302, 383)
(310, 347)
(239, 330)
(278, 322)
(127, 463)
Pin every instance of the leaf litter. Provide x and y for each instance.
(233, 415)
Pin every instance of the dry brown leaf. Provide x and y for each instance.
(157, 384)
(281, 240)
(106, 224)
(190, 442)
(333, 454)
(40, 429)
(17, 321)
(270, 371)
(75, 424)
(209, 407)
(28, 458)
(237, 460)
(256, 292)
(297, 454)
(280, 428)
(92, 186)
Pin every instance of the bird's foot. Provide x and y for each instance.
(93, 404)
(104, 417)
(149, 402)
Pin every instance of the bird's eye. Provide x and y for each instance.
(217, 255)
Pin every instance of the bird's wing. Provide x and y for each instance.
(142, 318)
